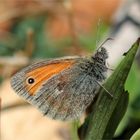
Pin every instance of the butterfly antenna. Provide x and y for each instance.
(105, 89)
(98, 32)
(108, 39)
(99, 24)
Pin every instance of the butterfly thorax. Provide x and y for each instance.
(96, 65)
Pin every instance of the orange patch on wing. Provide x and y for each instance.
(43, 73)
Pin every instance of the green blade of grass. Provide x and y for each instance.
(136, 135)
(108, 112)
(117, 115)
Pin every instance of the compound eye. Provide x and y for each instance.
(30, 80)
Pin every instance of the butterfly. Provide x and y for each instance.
(62, 88)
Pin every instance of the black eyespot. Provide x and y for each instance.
(30, 80)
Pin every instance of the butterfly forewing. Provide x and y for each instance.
(60, 88)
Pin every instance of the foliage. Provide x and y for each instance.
(136, 136)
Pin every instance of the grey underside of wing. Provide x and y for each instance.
(65, 96)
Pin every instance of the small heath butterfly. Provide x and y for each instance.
(62, 88)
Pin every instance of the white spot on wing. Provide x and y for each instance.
(57, 92)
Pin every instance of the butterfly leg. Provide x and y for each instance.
(107, 65)
(105, 89)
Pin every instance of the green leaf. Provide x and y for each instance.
(136, 135)
(117, 115)
(108, 111)
(74, 127)
(133, 110)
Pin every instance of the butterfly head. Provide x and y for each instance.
(101, 55)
